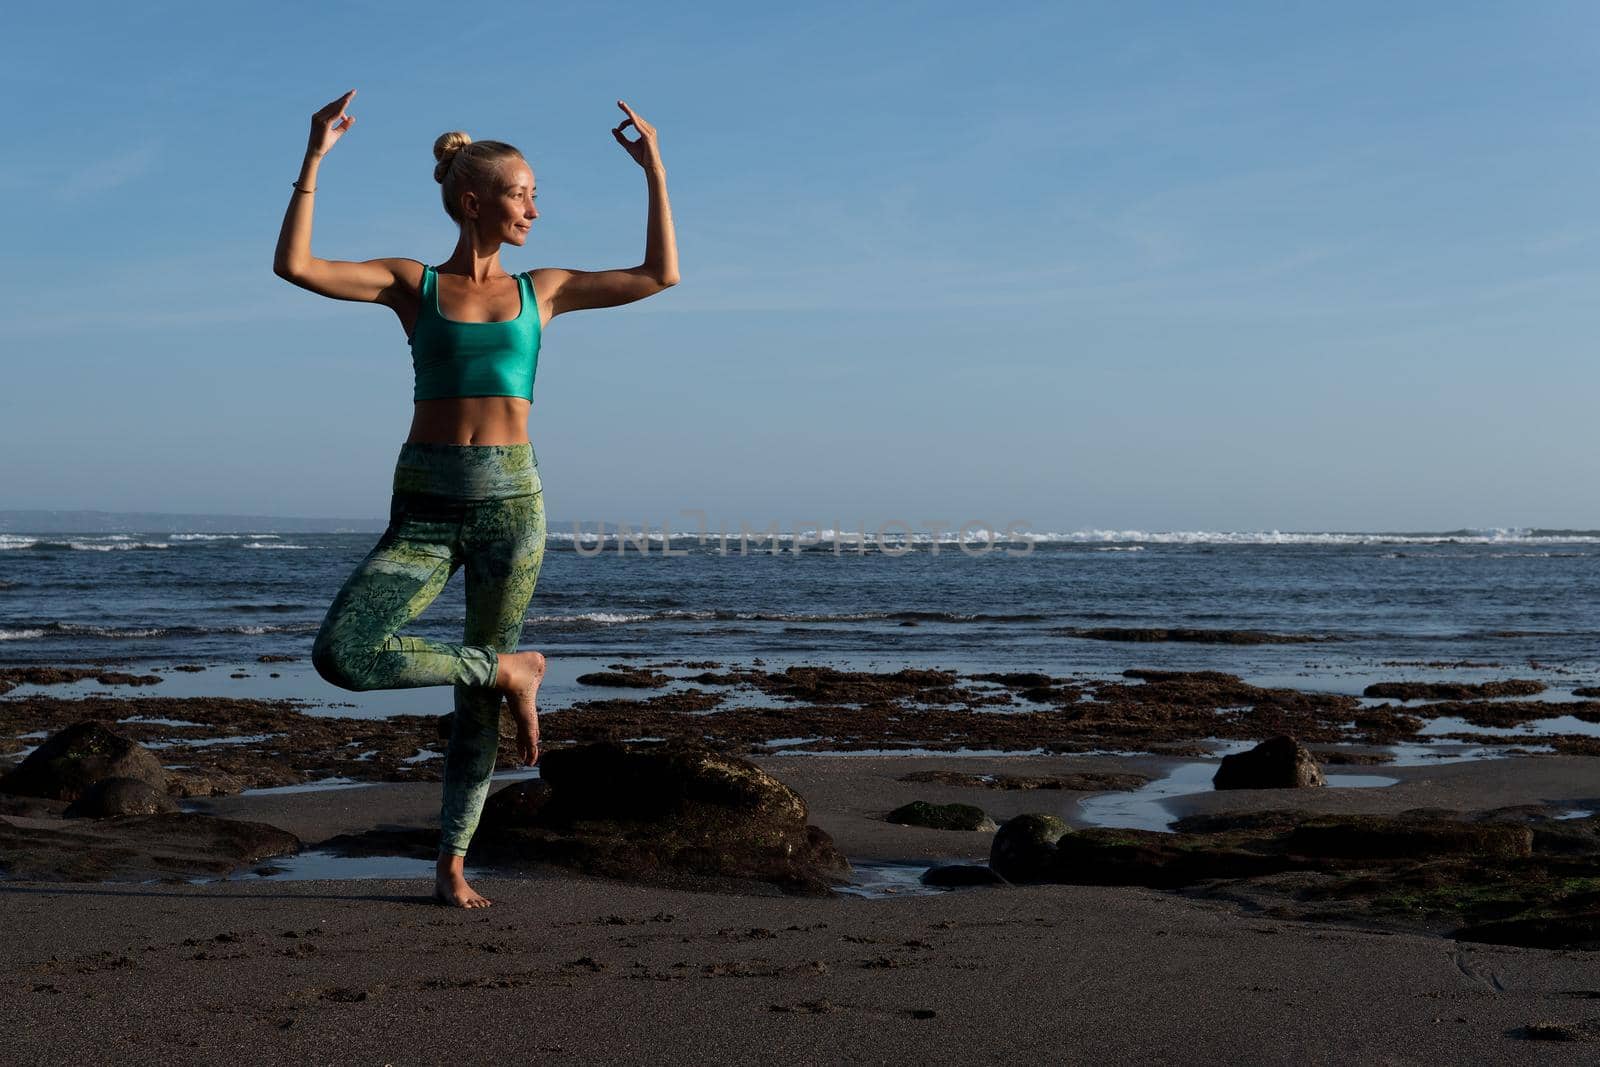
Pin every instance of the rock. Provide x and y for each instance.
(447, 723)
(1217, 822)
(952, 875)
(674, 813)
(72, 760)
(1024, 848)
(120, 796)
(1276, 763)
(630, 679)
(1511, 876)
(1018, 679)
(1105, 856)
(10, 677)
(516, 805)
(1563, 931)
(31, 807)
(1355, 759)
(942, 816)
(1145, 674)
(651, 782)
(139, 847)
(1385, 837)
(1511, 687)
(192, 784)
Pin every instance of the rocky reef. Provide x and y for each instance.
(675, 813)
(1511, 876)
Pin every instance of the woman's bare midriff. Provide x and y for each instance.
(470, 420)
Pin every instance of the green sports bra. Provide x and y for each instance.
(454, 359)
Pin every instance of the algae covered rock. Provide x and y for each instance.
(73, 759)
(1518, 687)
(1024, 848)
(1407, 837)
(1103, 856)
(187, 783)
(942, 816)
(120, 796)
(1277, 763)
(671, 813)
(953, 875)
(1580, 931)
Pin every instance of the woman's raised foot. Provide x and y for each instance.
(519, 677)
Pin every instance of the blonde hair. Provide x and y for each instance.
(464, 164)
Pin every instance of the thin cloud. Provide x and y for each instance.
(107, 174)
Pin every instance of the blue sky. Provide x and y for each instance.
(1088, 265)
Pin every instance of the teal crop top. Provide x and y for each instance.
(474, 358)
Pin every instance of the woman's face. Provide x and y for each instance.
(510, 212)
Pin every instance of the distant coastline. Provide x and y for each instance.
(174, 522)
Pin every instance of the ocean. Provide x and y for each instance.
(1468, 605)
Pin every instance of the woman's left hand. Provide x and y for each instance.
(645, 151)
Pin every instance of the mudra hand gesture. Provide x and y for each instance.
(645, 151)
(329, 124)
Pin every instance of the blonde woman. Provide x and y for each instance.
(466, 487)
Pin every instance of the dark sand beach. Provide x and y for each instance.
(568, 967)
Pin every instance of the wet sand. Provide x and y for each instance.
(568, 968)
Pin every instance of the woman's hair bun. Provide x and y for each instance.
(445, 149)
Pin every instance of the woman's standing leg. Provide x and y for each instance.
(502, 543)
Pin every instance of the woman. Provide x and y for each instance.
(466, 487)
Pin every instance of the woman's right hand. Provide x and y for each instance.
(330, 124)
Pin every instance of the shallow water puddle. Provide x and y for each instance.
(1142, 809)
(317, 865)
(912, 752)
(1560, 724)
(883, 879)
(307, 787)
(1409, 754)
(207, 742)
(872, 879)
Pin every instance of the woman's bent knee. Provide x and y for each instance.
(335, 666)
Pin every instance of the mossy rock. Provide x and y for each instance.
(942, 816)
(663, 814)
(1562, 931)
(956, 875)
(625, 679)
(1024, 849)
(1277, 763)
(73, 759)
(1159, 860)
(120, 796)
(1380, 837)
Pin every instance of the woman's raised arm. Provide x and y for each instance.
(293, 261)
(575, 290)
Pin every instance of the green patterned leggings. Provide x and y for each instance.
(475, 506)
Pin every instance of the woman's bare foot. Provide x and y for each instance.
(450, 884)
(518, 678)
